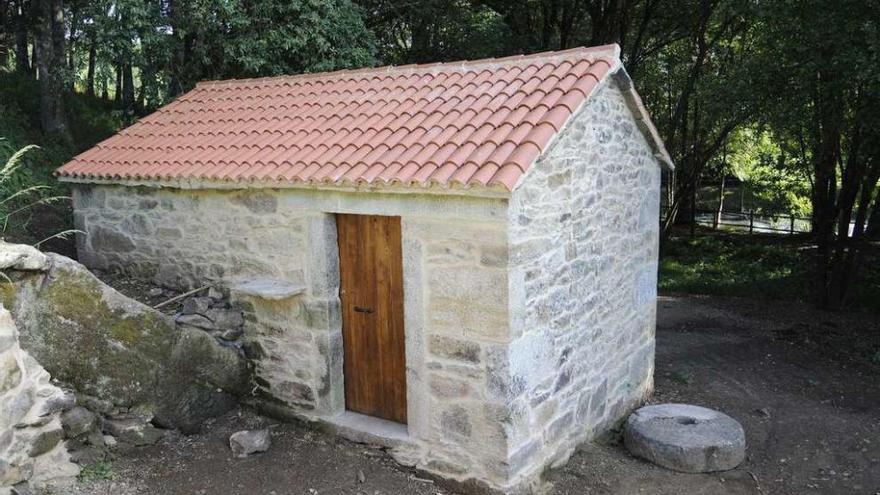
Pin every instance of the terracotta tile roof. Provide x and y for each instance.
(479, 123)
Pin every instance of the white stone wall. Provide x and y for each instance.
(32, 447)
(583, 264)
(455, 278)
(455, 289)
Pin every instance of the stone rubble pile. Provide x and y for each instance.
(47, 430)
(32, 447)
(94, 429)
(213, 314)
(176, 373)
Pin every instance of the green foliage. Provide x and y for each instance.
(272, 37)
(101, 470)
(761, 267)
(436, 30)
(173, 45)
(776, 180)
(37, 215)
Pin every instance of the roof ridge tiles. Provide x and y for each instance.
(598, 52)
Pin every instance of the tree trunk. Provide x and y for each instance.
(117, 91)
(127, 90)
(872, 231)
(71, 47)
(90, 72)
(824, 197)
(849, 247)
(105, 93)
(720, 202)
(5, 14)
(22, 58)
(50, 66)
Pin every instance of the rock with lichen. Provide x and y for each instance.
(91, 336)
(117, 350)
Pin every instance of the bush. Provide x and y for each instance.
(768, 267)
(91, 120)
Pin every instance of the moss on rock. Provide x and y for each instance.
(89, 335)
(114, 348)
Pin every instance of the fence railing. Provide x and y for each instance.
(750, 221)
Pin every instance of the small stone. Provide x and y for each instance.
(78, 421)
(17, 406)
(10, 374)
(34, 422)
(215, 294)
(133, 430)
(9, 474)
(764, 412)
(361, 477)
(195, 320)
(58, 402)
(95, 404)
(225, 319)
(96, 439)
(685, 438)
(110, 441)
(232, 334)
(155, 292)
(244, 443)
(22, 257)
(7, 331)
(196, 306)
(46, 441)
(87, 455)
(23, 488)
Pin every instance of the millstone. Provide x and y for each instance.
(685, 438)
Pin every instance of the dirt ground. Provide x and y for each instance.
(804, 384)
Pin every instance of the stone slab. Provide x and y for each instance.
(685, 438)
(265, 288)
(367, 429)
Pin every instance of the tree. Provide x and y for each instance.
(698, 89)
(22, 11)
(51, 65)
(435, 30)
(822, 82)
(212, 39)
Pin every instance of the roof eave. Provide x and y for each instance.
(474, 191)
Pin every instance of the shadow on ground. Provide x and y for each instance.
(809, 405)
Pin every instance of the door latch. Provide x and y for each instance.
(361, 309)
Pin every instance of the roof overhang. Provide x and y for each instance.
(493, 192)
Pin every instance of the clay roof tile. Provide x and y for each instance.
(471, 123)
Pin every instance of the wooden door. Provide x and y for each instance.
(371, 290)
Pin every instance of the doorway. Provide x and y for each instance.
(371, 293)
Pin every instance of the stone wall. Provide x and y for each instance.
(180, 238)
(583, 275)
(284, 241)
(32, 450)
(456, 279)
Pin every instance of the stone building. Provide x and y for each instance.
(458, 260)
